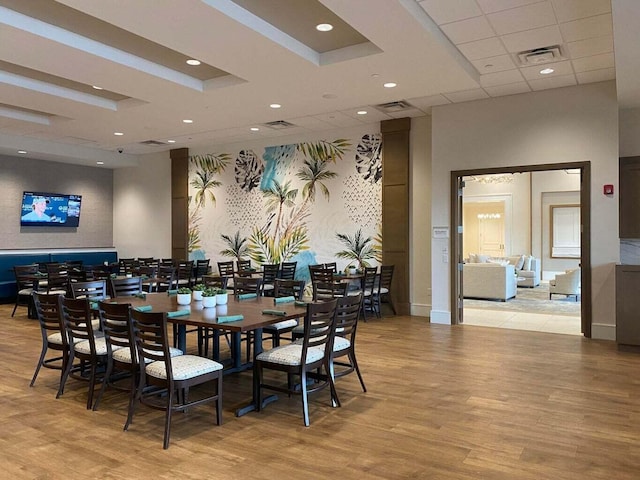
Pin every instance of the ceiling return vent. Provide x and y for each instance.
(153, 143)
(538, 56)
(392, 107)
(279, 125)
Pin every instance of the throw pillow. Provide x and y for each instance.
(473, 258)
(520, 263)
(526, 266)
(483, 258)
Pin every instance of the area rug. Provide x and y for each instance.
(533, 300)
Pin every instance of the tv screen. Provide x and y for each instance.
(50, 209)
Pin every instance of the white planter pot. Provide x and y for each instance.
(221, 309)
(184, 298)
(209, 301)
(209, 313)
(197, 295)
(222, 298)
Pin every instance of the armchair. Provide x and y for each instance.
(567, 283)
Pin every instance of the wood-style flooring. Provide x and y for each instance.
(444, 402)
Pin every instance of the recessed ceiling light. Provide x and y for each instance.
(96, 87)
(186, 120)
(375, 75)
(547, 71)
(119, 134)
(390, 85)
(324, 27)
(193, 61)
(361, 112)
(99, 163)
(22, 152)
(171, 141)
(254, 129)
(275, 105)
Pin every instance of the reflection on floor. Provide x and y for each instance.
(537, 322)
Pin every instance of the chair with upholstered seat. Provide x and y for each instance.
(200, 269)
(167, 279)
(283, 289)
(270, 272)
(344, 344)
(126, 287)
(184, 273)
(567, 283)
(305, 359)
(225, 269)
(371, 292)
(288, 270)
(243, 268)
(26, 283)
(57, 279)
(171, 377)
(94, 290)
(386, 278)
(54, 339)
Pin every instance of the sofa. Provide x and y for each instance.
(527, 267)
(489, 281)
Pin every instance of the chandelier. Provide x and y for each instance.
(492, 178)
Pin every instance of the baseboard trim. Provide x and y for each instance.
(602, 331)
(420, 310)
(441, 317)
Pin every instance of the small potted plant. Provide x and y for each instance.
(197, 292)
(184, 296)
(209, 297)
(222, 297)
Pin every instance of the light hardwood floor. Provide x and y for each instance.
(443, 403)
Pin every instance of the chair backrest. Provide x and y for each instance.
(184, 272)
(319, 273)
(328, 290)
(216, 282)
(47, 310)
(247, 285)
(288, 288)
(148, 271)
(94, 290)
(57, 278)
(166, 262)
(386, 276)
(127, 265)
(347, 313)
(26, 276)
(116, 326)
(147, 261)
(166, 278)
(243, 267)
(270, 272)
(319, 326)
(225, 269)
(76, 318)
(201, 269)
(369, 284)
(288, 270)
(126, 287)
(333, 266)
(151, 339)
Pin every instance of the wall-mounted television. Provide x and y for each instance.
(50, 209)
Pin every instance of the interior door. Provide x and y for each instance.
(491, 235)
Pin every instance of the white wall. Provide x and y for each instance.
(629, 132)
(553, 126)
(142, 208)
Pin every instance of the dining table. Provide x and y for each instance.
(251, 314)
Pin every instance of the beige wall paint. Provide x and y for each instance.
(630, 132)
(553, 126)
(142, 208)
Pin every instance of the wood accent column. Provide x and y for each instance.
(395, 207)
(180, 203)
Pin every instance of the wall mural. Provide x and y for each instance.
(310, 202)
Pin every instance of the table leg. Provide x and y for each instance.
(182, 337)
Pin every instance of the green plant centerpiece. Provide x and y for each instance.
(209, 297)
(197, 291)
(184, 296)
(222, 297)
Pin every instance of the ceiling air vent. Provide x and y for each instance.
(153, 143)
(397, 106)
(278, 125)
(538, 56)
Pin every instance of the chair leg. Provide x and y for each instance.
(305, 401)
(105, 380)
(92, 381)
(335, 401)
(65, 375)
(14, 309)
(40, 361)
(354, 363)
(219, 400)
(257, 385)
(167, 421)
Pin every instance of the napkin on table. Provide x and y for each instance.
(230, 318)
(290, 299)
(245, 296)
(178, 313)
(280, 313)
(143, 308)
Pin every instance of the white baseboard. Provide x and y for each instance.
(420, 310)
(442, 317)
(601, 331)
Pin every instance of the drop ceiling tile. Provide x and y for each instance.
(529, 17)
(590, 46)
(310, 122)
(425, 103)
(537, 38)
(468, 30)
(568, 10)
(510, 89)
(595, 62)
(489, 47)
(560, 68)
(501, 78)
(598, 26)
(490, 6)
(447, 11)
(413, 112)
(553, 82)
(467, 95)
(494, 64)
(372, 115)
(337, 119)
(597, 75)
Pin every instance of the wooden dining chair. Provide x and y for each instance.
(170, 378)
(225, 269)
(26, 283)
(54, 338)
(284, 288)
(344, 344)
(126, 287)
(94, 290)
(288, 270)
(270, 272)
(371, 292)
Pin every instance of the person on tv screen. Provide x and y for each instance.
(38, 209)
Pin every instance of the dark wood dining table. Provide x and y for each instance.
(253, 321)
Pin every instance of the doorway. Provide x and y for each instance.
(459, 251)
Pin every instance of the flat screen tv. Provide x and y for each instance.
(50, 209)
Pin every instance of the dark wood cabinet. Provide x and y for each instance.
(628, 305)
(629, 182)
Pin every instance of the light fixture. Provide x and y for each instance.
(97, 87)
(193, 61)
(254, 129)
(324, 27)
(22, 152)
(171, 141)
(275, 105)
(99, 163)
(546, 71)
(493, 178)
(390, 85)
(489, 216)
(186, 120)
(119, 134)
(361, 112)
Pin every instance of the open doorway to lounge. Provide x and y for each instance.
(507, 216)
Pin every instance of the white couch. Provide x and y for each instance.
(527, 267)
(489, 281)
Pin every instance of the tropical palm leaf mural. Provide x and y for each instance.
(378, 245)
(236, 246)
(359, 249)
